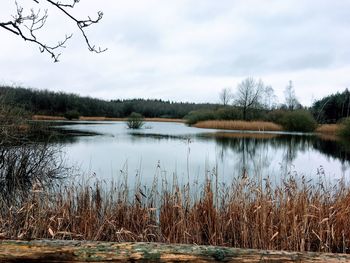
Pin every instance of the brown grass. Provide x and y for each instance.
(240, 125)
(124, 119)
(328, 129)
(164, 120)
(85, 118)
(47, 118)
(295, 215)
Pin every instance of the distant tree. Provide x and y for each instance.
(26, 24)
(248, 95)
(269, 98)
(225, 96)
(291, 100)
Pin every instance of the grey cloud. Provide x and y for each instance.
(172, 49)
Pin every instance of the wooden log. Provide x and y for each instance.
(84, 251)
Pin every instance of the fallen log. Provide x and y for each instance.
(84, 251)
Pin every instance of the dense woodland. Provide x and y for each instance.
(59, 103)
(332, 108)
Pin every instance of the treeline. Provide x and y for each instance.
(252, 101)
(58, 103)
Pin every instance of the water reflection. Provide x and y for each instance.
(251, 148)
(174, 149)
(339, 149)
(189, 151)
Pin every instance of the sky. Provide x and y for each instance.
(186, 50)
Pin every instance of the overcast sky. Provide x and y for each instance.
(188, 50)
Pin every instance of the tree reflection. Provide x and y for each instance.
(335, 148)
(254, 152)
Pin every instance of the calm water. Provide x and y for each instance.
(191, 153)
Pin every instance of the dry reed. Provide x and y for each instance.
(87, 118)
(328, 129)
(47, 118)
(240, 125)
(83, 118)
(294, 214)
(165, 120)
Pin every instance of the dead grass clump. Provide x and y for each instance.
(328, 129)
(85, 118)
(240, 125)
(164, 120)
(294, 214)
(47, 118)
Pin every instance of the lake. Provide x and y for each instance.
(167, 149)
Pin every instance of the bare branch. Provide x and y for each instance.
(26, 26)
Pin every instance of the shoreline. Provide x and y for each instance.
(96, 118)
(329, 130)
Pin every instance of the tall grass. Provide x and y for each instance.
(47, 118)
(328, 129)
(294, 214)
(240, 125)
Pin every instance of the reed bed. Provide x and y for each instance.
(86, 118)
(83, 118)
(328, 129)
(47, 118)
(96, 118)
(294, 214)
(239, 125)
(165, 120)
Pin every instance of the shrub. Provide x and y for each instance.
(344, 130)
(72, 114)
(255, 114)
(200, 115)
(275, 116)
(299, 120)
(135, 121)
(228, 113)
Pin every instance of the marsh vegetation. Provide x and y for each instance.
(293, 214)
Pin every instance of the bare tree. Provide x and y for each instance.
(269, 98)
(225, 96)
(248, 95)
(291, 100)
(26, 24)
